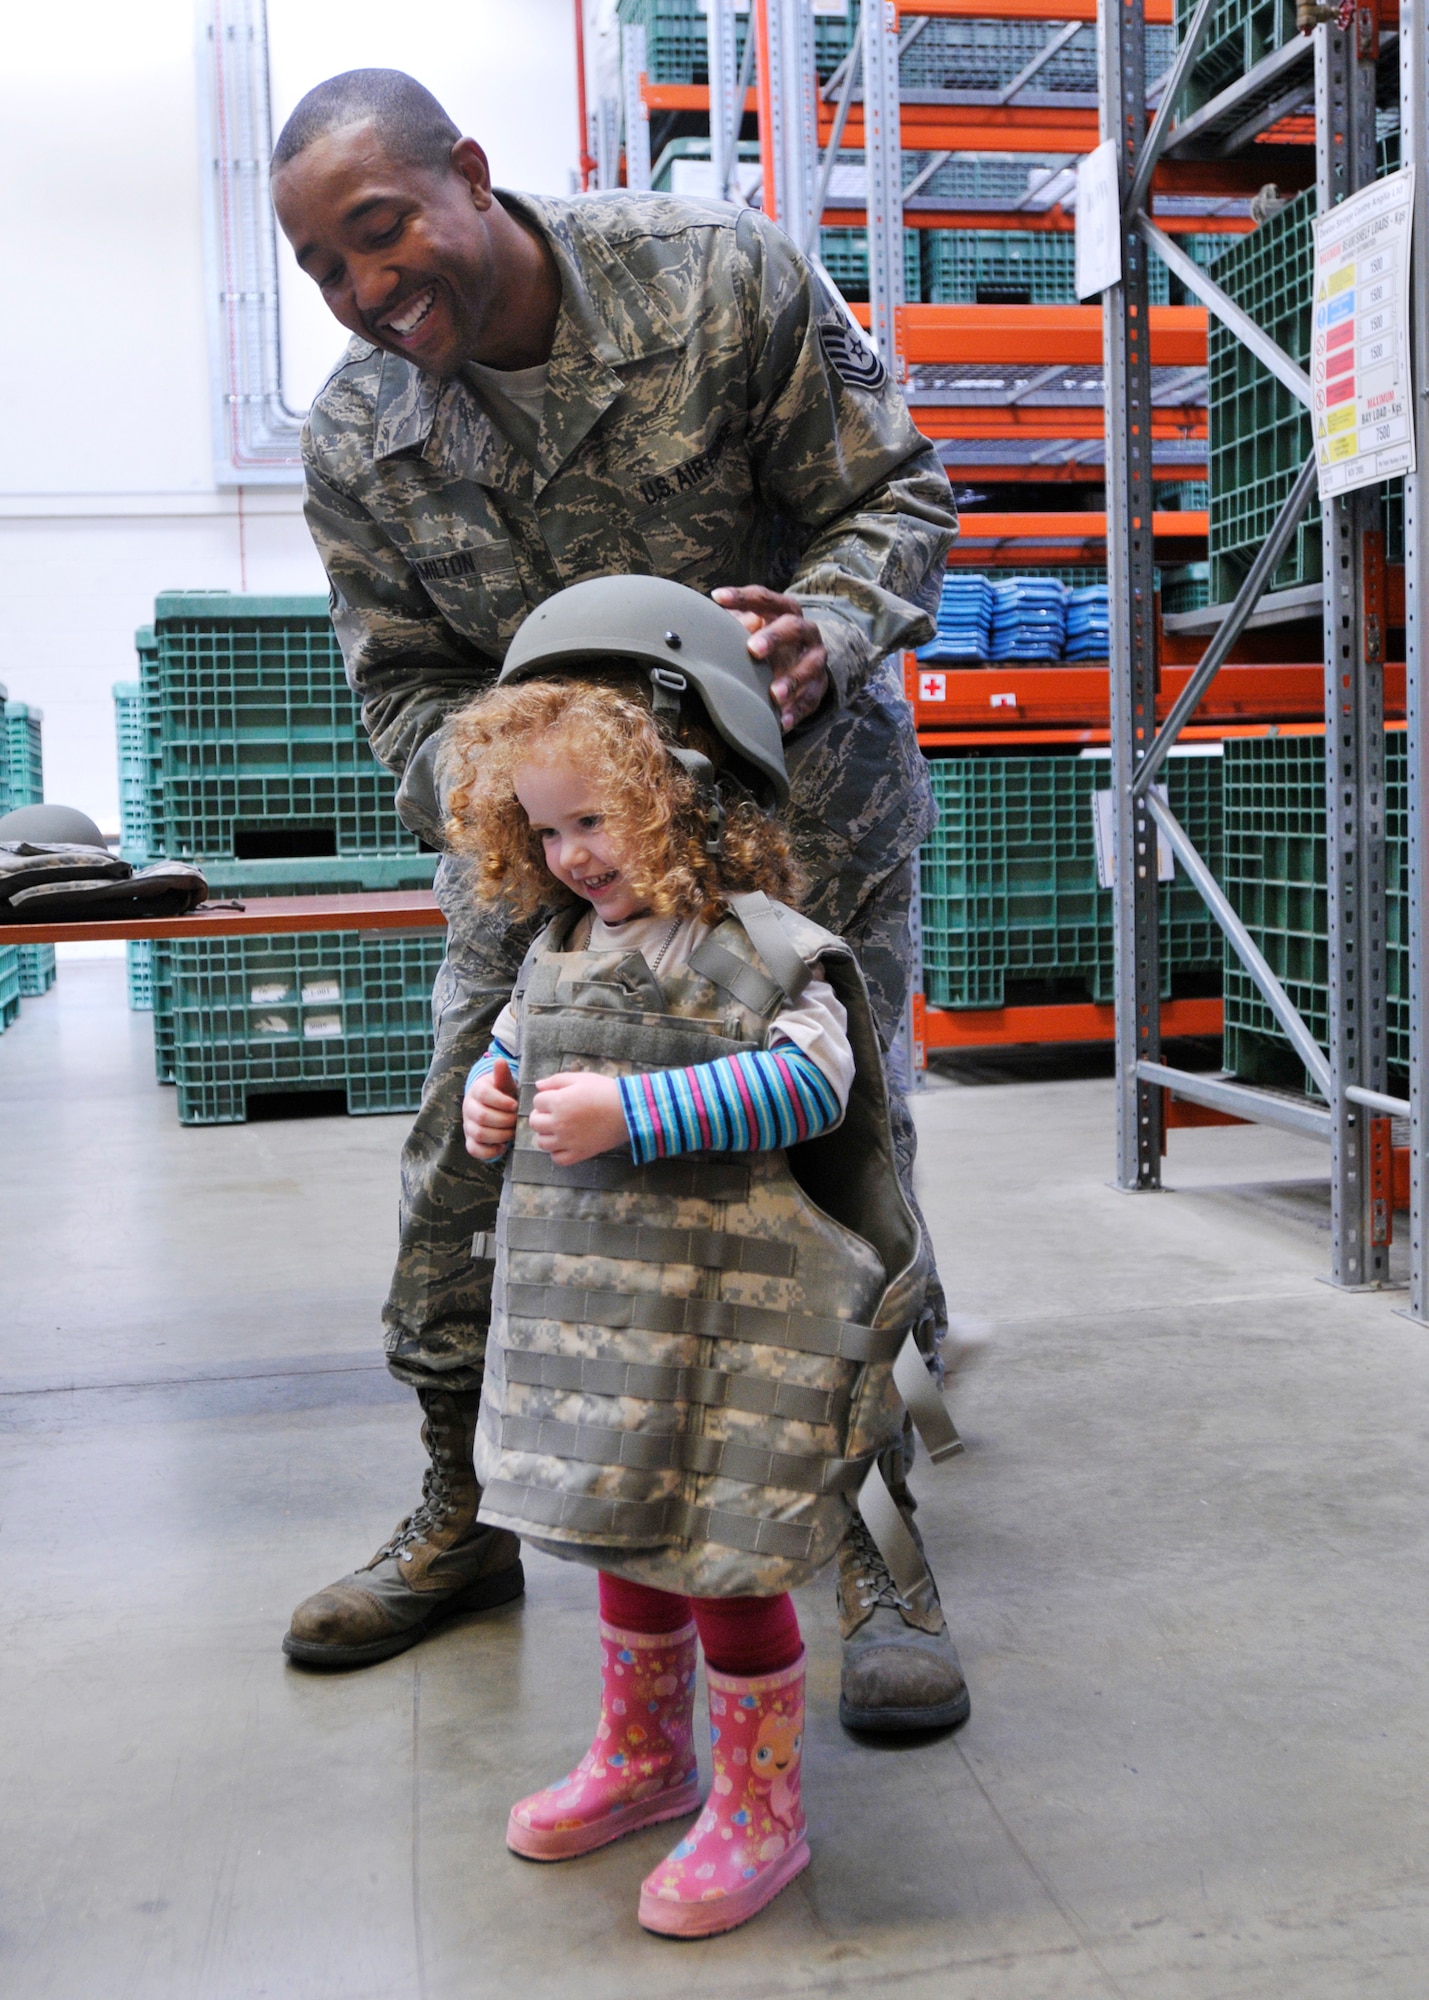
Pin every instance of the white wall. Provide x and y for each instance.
(107, 493)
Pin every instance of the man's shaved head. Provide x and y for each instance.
(411, 124)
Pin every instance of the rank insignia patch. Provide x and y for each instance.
(850, 357)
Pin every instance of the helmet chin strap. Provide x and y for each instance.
(666, 687)
(703, 772)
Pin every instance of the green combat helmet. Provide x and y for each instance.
(683, 642)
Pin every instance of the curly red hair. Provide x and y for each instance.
(655, 812)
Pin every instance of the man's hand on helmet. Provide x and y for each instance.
(790, 645)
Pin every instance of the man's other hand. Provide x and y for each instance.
(788, 642)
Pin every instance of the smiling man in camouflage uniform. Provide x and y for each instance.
(541, 391)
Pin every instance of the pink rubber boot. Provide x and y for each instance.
(749, 1840)
(641, 1767)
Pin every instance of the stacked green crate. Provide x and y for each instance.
(677, 37)
(1009, 877)
(973, 177)
(136, 761)
(844, 255)
(256, 766)
(337, 1009)
(988, 54)
(1185, 587)
(1259, 430)
(1275, 876)
(1241, 34)
(9, 954)
(25, 786)
(1036, 266)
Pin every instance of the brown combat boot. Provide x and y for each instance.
(439, 1561)
(900, 1667)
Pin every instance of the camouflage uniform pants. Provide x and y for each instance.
(439, 1307)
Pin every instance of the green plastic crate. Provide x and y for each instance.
(1009, 880)
(139, 976)
(844, 255)
(1185, 587)
(960, 265)
(677, 38)
(153, 976)
(340, 1010)
(26, 780)
(1259, 432)
(1241, 34)
(1275, 877)
(37, 969)
(22, 783)
(138, 759)
(9, 984)
(1038, 264)
(257, 734)
(987, 54)
(973, 177)
(137, 755)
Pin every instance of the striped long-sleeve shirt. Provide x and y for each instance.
(746, 1103)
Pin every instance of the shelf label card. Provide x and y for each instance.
(1363, 405)
(1098, 221)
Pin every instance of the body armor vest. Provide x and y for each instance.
(694, 1363)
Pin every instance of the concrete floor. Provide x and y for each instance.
(1184, 1559)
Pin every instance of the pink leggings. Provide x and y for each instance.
(748, 1636)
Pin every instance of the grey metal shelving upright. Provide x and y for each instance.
(1351, 1073)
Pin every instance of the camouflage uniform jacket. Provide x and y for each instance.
(708, 417)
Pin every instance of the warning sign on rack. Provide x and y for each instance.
(1363, 404)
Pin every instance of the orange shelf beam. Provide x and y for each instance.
(949, 335)
(1073, 472)
(979, 128)
(952, 420)
(949, 697)
(1021, 10)
(1189, 524)
(1053, 221)
(1017, 1027)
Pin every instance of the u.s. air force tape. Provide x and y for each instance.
(849, 355)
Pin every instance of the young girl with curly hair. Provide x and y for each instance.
(688, 1369)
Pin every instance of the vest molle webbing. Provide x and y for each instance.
(694, 1363)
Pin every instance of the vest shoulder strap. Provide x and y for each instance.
(760, 918)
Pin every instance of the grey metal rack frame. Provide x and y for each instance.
(1351, 1073)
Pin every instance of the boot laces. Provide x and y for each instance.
(434, 1507)
(876, 1588)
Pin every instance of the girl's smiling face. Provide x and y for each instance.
(564, 807)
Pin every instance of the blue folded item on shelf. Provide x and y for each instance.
(1028, 619)
(1088, 626)
(963, 619)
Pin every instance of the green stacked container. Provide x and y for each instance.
(25, 786)
(1259, 430)
(1275, 876)
(962, 266)
(244, 752)
(10, 953)
(844, 255)
(677, 38)
(1012, 909)
(1241, 34)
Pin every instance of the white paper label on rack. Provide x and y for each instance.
(1363, 401)
(1102, 802)
(1098, 221)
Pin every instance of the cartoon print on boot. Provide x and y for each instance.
(774, 1762)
